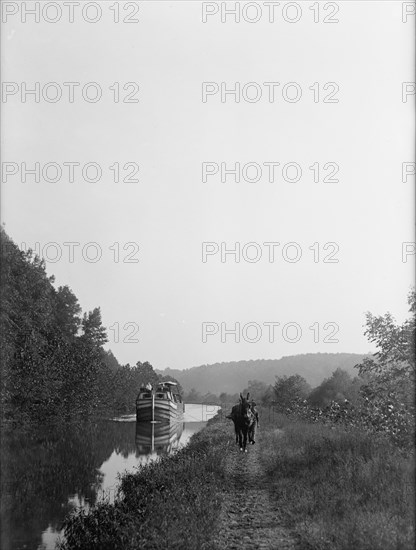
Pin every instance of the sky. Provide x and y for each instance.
(138, 247)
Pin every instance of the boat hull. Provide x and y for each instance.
(165, 410)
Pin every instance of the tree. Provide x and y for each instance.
(110, 361)
(93, 329)
(392, 367)
(338, 387)
(259, 391)
(223, 397)
(144, 373)
(28, 331)
(210, 398)
(47, 369)
(67, 312)
(389, 394)
(268, 396)
(290, 389)
(193, 396)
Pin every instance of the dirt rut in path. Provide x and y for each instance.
(249, 519)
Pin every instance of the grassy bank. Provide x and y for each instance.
(339, 490)
(169, 504)
(334, 489)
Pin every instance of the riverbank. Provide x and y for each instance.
(301, 486)
(171, 503)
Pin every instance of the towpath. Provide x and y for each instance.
(249, 518)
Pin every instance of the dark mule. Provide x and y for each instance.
(243, 419)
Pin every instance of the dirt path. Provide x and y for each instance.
(249, 519)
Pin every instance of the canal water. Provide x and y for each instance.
(47, 471)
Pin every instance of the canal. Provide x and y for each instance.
(47, 471)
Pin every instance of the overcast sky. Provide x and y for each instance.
(170, 292)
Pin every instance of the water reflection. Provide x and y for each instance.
(157, 439)
(49, 470)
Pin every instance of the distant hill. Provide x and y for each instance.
(233, 376)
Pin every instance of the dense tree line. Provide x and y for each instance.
(53, 363)
(289, 389)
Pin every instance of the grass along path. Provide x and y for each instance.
(338, 489)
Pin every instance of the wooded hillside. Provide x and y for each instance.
(234, 376)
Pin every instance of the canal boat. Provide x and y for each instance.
(160, 404)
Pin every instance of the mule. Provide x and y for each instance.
(243, 419)
(252, 428)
